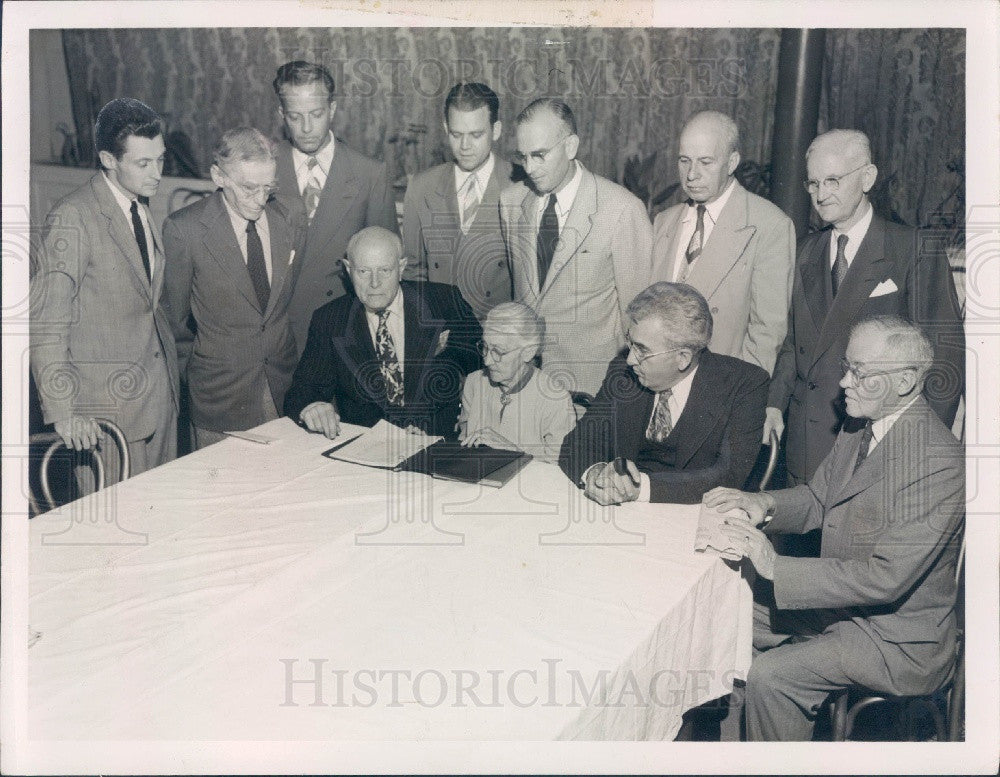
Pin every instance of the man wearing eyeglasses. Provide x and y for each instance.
(861, 265)
(876, 609)
(229, 279)
(579, 247)
(672, 419)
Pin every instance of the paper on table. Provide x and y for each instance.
(385, 445)
(710, 538)
(263, 439)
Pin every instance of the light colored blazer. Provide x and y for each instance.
(100, 341)
(891, 536)
(601, 262)
(232, 351)
(357, 194)
(438, 251)
(745, 272)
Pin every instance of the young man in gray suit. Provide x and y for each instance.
(101, 345)
(230, 273)
(451, 216)
(876, 609)
(333, 188)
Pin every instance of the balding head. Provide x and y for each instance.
(850, 145)
(375, 264)
(708, 155)
(718, 124)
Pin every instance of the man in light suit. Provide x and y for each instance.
(734, 247)
(101, 345)
(877, 608)
(683, 418)
(579, 247)
(451, 216)
(333, 188)
(861, 265)
(229, 278)
(388, 350)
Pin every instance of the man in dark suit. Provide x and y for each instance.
(860, 266)
(333, 188)
(876, 609)
(451, 214)
(230, 273)
(684, 419)
(390, 350)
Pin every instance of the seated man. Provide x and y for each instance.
(876, 609)
(390, 350)
(684, 419)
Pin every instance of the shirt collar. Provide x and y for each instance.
(324, 156)
(395, 307)
(482, 175)
(240, 223)
(682, 390)
(856, 233)
(124, 202)
(713, 209)
(565, 197)
(882, 426)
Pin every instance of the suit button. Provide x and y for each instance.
(715, 310)
(436, 265)
(812, 386)
(329, 292)
(156, 355)
(802, 349)
(266, 361)
(262, 327)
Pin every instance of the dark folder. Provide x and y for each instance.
(449, 460)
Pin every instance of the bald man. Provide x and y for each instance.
(860, 265)
(390, 349)
(734, 247)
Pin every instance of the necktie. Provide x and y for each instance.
(140, 238)
(866, 443)
(385, 349)
(470, 202)
(698, 238)
(660, 423)
(839, 264)
(256, 265)
(548, 236)
(310, 194)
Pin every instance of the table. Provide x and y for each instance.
(264, 592)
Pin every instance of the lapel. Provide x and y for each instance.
(700, 414)
(421, 331)
(281, 248)
(815, 268)
(341, 189)
(725, 246)
(288, 184)
(665, 250)
(120, 231)
(525, 237)
(442, 201)
(159, 265)
(486, 214)
(361, 358)
(221, 244)
(576, 229)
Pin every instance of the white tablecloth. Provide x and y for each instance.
(263, 592)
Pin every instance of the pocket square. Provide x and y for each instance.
(291, 257)
(885, 287)
(442, 342)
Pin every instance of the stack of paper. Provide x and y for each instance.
(385, 445)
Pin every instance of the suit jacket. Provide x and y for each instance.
(744, 271)
(714, 442)
(807, 375)
(339, 364)
(101, 344)
(891, 537)
(230, 351)
(602, 260)
(475, 262)
(356, 195)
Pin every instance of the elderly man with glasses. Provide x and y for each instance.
(672, 419)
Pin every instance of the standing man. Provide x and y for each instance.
(877, 608)
(860, 266)
(734, 247)
(101, 344)
(336, 190)
(451, 218)
(579, 247)
(230, 274)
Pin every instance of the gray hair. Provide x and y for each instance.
(244, 144)
(904, 343)
(848, 143)
(551, 105)
(373, 236)
(518, 320)
(680, 309)
(723, 124)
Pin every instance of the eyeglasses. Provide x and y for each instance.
(493, 352)
(269, 190)
(640, 359)
(832, 183)
(861, 375)
(538, 156)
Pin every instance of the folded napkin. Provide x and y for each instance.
(710, 538)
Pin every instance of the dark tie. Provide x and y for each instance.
(839, 265)
(548, 236)
(660, 422)
(866, 443)
(385, 349)
(698, 238)
(140, 238)
(256, 265)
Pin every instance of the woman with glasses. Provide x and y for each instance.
(511, 403)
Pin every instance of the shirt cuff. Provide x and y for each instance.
(643, 488)
(583, 477)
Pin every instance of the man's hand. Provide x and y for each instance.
(321, 417)
(755, 505)
(491, 437)
(773, 419)
(752, 543)
(78, 432)
(607, 487)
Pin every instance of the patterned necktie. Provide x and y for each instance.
(256, 265)
(866, 443)
(548, 236)
(698, 238)
(470, 202)
(385, 349)
(660, 423)
(140, 238)
(839, 265)
(310, 194)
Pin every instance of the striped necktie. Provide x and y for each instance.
(311, 192)
(469, 200)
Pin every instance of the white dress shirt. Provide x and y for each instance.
(300, 162)
(394, 323)
(676, 403)
(240, 228)
(688, 224)
(854, 237)
(482, 177)
(125, 203)
(564, 200)
(882, 426)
